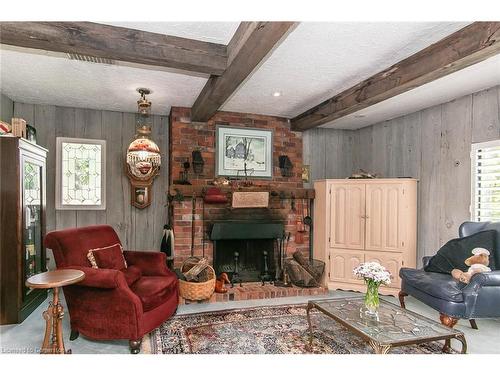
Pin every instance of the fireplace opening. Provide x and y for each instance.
(251, 260)
(246, 251)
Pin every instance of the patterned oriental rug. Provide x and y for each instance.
(261, 330)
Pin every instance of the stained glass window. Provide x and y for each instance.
(81, 176)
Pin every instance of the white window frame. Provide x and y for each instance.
(473, 154)
(59, 201)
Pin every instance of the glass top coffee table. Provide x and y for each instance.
(395, 326)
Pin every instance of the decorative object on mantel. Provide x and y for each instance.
(214, 195)
(286, 166)
(250, 199)
(306, 172)
(143, 158)
(198, 162)
(221, 181)
(363, 174)
(373, 274)
(244, 152)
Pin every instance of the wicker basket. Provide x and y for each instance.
(198, 291)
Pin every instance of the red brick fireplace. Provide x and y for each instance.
(186, 136)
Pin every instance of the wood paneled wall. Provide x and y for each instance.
(328, 152)
(6, 108)
(432, 145)
(138, 229)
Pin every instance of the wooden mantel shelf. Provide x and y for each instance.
(289, 193)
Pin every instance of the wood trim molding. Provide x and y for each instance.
(470, 45)
(249, 46)
(117, 43)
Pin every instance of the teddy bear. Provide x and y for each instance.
(477, 263)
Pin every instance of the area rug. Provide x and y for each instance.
(261, 330)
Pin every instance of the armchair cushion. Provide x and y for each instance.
(132, 274)
(154, 290)
(110, 257)
(438, 285)
(151, 263)
(454, 253)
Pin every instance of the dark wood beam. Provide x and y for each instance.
(117, 43)
(249, 46)
(468, 46)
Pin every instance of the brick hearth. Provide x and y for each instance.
(258, 291)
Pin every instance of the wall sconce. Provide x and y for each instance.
(197, 161)
(286, 166)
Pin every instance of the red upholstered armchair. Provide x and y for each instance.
(111, 303)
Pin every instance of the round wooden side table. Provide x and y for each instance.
(53, 340)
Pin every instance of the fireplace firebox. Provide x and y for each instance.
(246, 251)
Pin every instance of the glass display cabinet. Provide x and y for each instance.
(22, 210)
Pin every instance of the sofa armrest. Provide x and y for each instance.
(482, 279)
(100, 277)
(426, 260)
(151, 263)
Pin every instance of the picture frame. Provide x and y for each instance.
(244, 152)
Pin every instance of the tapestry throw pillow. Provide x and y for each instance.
(454, 253)
(110, 257)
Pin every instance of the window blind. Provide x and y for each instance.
(485, 205)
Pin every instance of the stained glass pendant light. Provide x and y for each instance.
(143, 155)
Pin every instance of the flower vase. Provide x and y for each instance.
(372, 301)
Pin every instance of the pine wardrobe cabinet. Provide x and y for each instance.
(365, 220)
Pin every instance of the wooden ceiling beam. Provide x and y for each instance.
(249, 46)
(117, 43)
(470, 45)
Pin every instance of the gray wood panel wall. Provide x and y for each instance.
(328, 152)
(6, 108)
(137, 229)
(432, 145)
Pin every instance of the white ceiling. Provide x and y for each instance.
(315, 62)
(214, 32)
(318, 60)
(55, 79)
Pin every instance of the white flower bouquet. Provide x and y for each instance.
(373, 271)
(374, 274)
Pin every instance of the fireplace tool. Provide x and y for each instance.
(235, 277)
(281, 275)
(193, 213)
(265, 275)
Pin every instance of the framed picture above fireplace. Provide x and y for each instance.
(244, 152)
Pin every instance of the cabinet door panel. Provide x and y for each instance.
(347, 210)
(385, 218)
(391, 261)
(342, 263)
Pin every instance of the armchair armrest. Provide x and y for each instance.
(101, 278)
(482, 279)
(151, 263)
